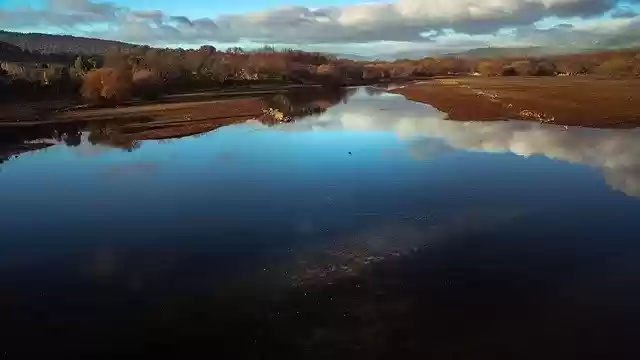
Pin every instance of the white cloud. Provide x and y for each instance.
(399, 21)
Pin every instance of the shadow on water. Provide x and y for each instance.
(495, 240)
(490, 291)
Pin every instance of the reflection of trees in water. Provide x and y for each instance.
(312, 101)
(17, 140)
(104, 134)
(371, 91)
(122, 135)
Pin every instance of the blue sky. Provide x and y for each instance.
(342, 26)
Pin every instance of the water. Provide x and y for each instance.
(373, 229)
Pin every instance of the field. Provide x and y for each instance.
(577, 101)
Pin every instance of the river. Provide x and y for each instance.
(370, 228)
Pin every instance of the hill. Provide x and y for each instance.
(13, 53)
(497, 52)
(52, 44)
(10, 52)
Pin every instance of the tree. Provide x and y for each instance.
(490, 68)
(235, 50)
(147, 84)
(615, 67)
(522, 68)
(207, 50)
(107, 85)
(545, 68)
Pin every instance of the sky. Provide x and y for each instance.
(341, 26)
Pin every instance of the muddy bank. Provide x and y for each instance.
(125, 126)
(576, 101)
(59, 111)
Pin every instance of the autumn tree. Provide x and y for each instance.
(615, 67)
(107, 85)
(545, 68)
(490, 68)
(520, 67)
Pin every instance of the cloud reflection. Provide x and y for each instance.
(616, 152)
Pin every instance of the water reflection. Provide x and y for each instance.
(616, 152)
(128, 133)
(401, 233)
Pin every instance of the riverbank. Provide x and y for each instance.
(177, 106)
(573, 101)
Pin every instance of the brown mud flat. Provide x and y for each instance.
(182, 115)
(171, 113)
(30, 113)
(574, 101)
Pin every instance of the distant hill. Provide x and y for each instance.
(13, 53)
(10, 52)
(496, 52)
(51, 44)
(630, 39)
(351, 56)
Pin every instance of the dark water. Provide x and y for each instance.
(374, 229)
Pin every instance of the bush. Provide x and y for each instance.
(107, 85)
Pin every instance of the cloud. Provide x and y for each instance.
(399, 21)
(615, 152)
(617, 32)
(103, 9)
(624, 12)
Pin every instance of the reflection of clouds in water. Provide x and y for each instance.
(423, 150)
(615, 152)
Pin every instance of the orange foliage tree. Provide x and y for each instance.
(107, 85)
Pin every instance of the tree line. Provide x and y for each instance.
(144, 72)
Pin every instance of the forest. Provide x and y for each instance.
(124, 73)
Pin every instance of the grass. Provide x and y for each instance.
(578, 101)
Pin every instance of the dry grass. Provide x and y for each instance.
(583, 101)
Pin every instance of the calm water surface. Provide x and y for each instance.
(376, 229)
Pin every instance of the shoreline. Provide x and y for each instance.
(570, 101)
(59, 111)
